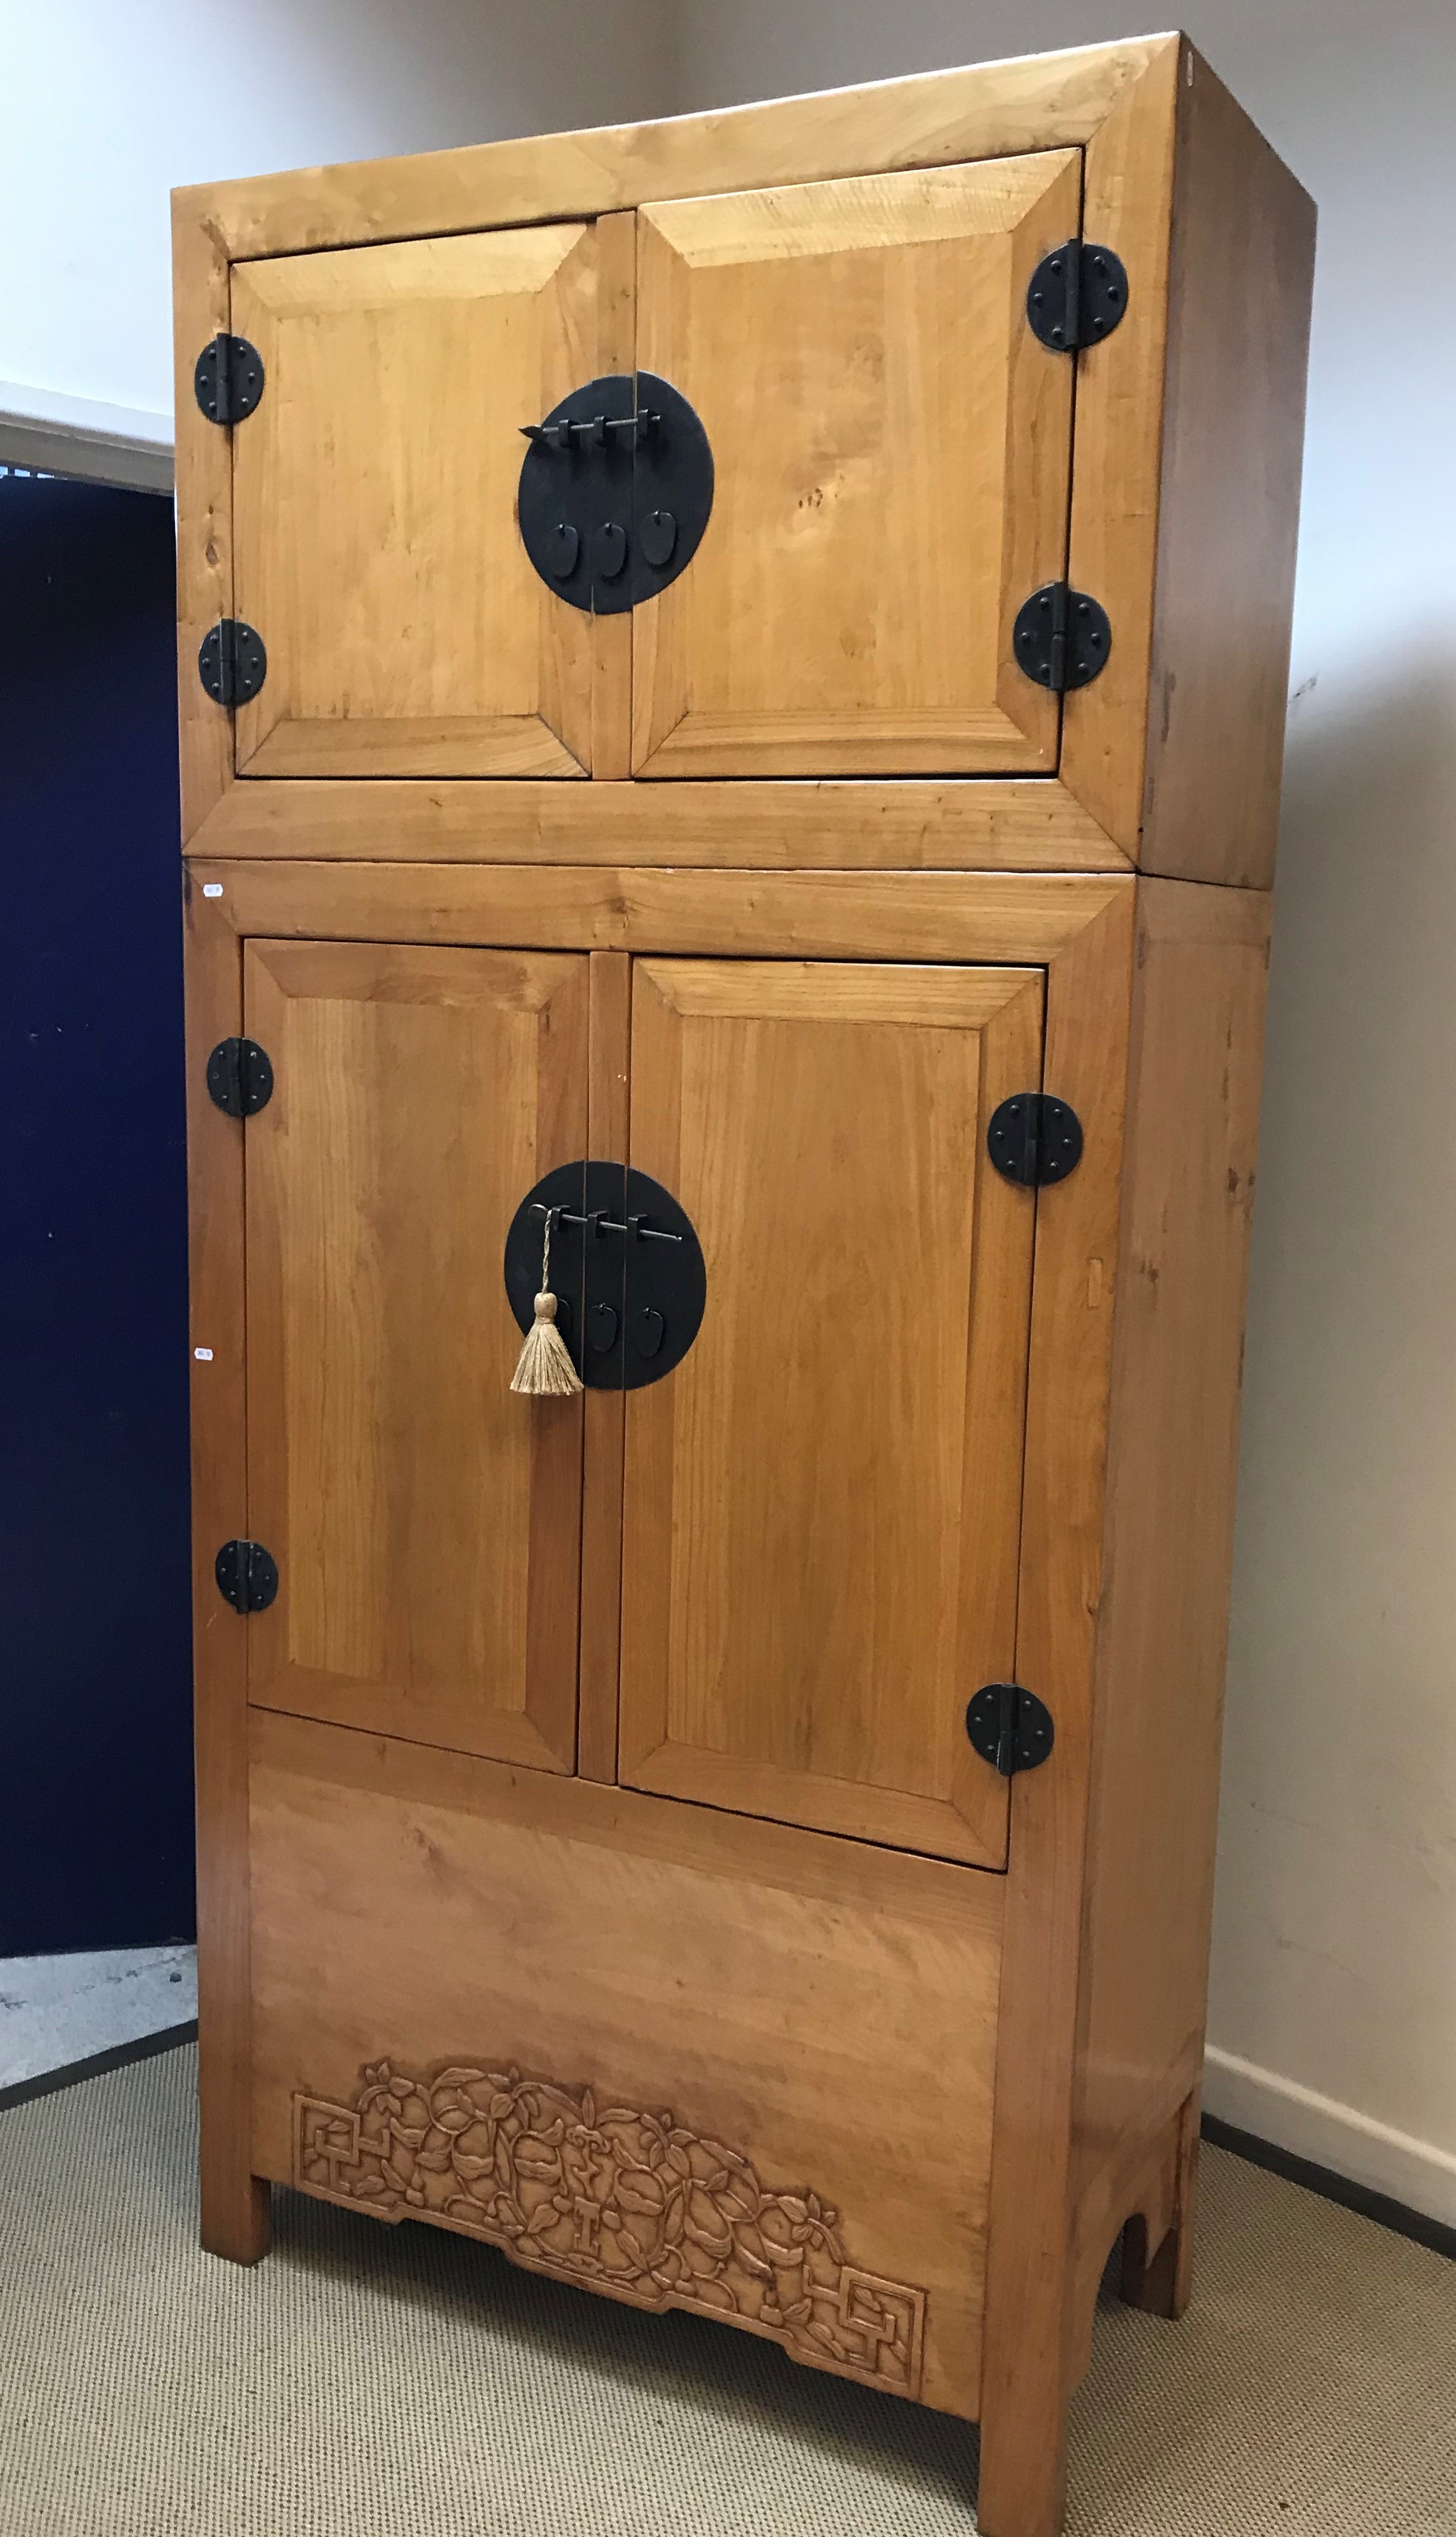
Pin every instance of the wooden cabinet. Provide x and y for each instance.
(738, 1836)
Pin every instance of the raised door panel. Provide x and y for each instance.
(375, 540)
(892, 449)
(822, 1504)
(424, 1520)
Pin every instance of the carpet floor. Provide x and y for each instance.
(403, 2382)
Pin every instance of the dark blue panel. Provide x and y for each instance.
(96, 1797)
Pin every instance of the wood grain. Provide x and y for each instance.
(822, 1504)
(204, 510)
(375, 525)
(993, 110)
(880, 536)
(601, 1505)
(1228, 501)
(1197, 1030)
(824, 916)
(613, 637)
(1021, 824)
(1117, 448)
(425, 1520)
(824, 2010)
(1029, 2279)
(234, 2205)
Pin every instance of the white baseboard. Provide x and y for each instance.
(1320, 2129)
(66, 436)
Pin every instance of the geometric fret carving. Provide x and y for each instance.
(615, 2198)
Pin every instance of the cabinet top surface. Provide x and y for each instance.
(1043, 101)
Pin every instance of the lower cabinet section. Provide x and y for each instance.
(682, 2058)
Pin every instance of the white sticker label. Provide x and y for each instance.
(204, 1355)
(212, 890)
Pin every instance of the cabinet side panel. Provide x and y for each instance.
(1242, 264)
(1198, 1016)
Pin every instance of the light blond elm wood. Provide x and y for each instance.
(376, 548)
(822, 2008)
(1021, 824)
(822, 1506)
(234, 2205)
(889, 453)
(425, 1520)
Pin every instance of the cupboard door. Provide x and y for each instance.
(892, 449)
(822, 1504)
(375, 533)
(424, 1520)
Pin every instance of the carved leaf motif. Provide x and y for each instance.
(628, 2200)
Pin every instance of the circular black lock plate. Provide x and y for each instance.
(610, 516)
(626, 1269)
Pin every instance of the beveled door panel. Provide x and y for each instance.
(426, 1520)
(822, 1504)
(892, 450)
(375, 541)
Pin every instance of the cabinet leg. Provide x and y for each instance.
(1022, 2490)
(236, 2215)
(1159, 2278)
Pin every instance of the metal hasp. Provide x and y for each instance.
(1076, 296)
(232, 662)
(239, 1077)
(1009, 1727)
(1062, 637)
(1034, 1138)
(615, 490)
(228, 381)
(626, 1269)
(246, 1575)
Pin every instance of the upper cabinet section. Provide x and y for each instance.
(909, 479)
(374, 538)
(891, 448)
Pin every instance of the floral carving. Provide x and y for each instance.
(615, 2197)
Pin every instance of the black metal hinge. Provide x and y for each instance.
(1076, 296)
(1009, 1728)
(232, 662)
(246, 1575)
(1062, 637)
(228, 381)
(1034, 1138)
(239, 1077)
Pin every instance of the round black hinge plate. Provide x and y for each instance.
(232, 662)
(1062, 637)
(1009, 1726)
(246, 1575)
(228, 381)
(239, 1077)
(615, 490)
(1034, 1138)
(1076, 296)
(626, 1269)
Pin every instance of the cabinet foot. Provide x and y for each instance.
(1022, 2489)
(236, 2216)
(1159, 2278)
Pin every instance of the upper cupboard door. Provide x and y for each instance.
(375, 537)
(424, 1518)
(890, 446)
(823, 1501)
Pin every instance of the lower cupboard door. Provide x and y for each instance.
(822, 1503)
(425, 1521)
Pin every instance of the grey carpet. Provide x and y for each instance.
(377, 2382)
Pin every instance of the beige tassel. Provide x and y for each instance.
(544, 1367)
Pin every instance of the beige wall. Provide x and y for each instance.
(105, 107)
(1334, 1994)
